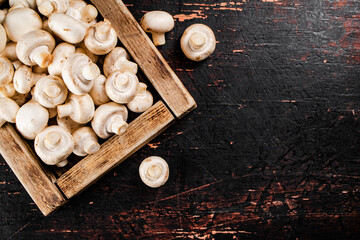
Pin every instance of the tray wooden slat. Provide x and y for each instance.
(147, 56)
(114, 151)
(23, 162)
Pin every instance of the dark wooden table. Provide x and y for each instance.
(272, 151)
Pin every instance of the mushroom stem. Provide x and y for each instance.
(52, 90)
(102, 31)
(41, 56)
(154, 171)
(118, 125)
(142, 89)
(91, 147)
(62, 163)
(52, 141)
(121, 81)
(197, 41)
(65, 110)
(91, 71)
(158, 38)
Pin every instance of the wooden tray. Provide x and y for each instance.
(49, 191)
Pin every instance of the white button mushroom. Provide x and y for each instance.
(67, 28)
(22, 4)
(142, 101)
(79, 73)
(79, 108)
(7, 90)
(86, 142)
(121, 87)
(68, 124)
(47, 7)
(198, 42)
(25, 79)
(20, 21)
(31, 119)
(8, 110)
(98, 92)
(10, 52)
(3, 38)
(101, 38)
(54, 145)
(110, 118)
(118, 60)
(60, 54)
(83, 12)
(50, 91)
(157, 23)
(6, 71)
(35, 48)
(154, 171)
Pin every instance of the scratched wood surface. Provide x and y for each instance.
(271, 152)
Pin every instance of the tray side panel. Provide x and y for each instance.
(27, 168)
(147, 56)
(114, 151)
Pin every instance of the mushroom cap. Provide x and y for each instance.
(35, 47)
(101, 38)
(10, 52)
(98, 91)
(154, 171)
(31, 119)
(86, 142)
(142, 101)
(60, 54)
(106, 117)
(157, 22)
(121, 87)
(68, 124)
(79, 108)
(81, 11)
(50, 91)
(118, 60)
(3, 38)
(24, 79)
(8, 110)
(47, 7)
(198, 42)
(24, 3)
(67, 28)
(20, 21)
(54, 144)
(6, 71)
(79, 73)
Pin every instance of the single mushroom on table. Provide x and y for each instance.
(25, 79)
(157, 23)
(109, 119)
(79, 73)
(142, 101)
(154, 171)
(61, 53)
(68, 124)
(86, 142)
(121, 87)
(79, 108)
(20, 21)
(67, 28)
(54, 145)
(101, 38)
(31, 119)
(8, 110)
(50, 91)
(6, 71)
(98, 91)
(35, 48)
(47, 7)
(198, 42)
(118, 60)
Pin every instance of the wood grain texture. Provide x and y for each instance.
(140, 131)
(147, 56)
(271, 152)
(27, 168)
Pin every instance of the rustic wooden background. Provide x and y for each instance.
(271, 152)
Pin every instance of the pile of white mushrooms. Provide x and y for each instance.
(51, 66)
